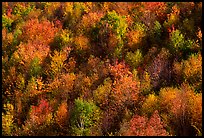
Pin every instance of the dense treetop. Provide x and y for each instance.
(101, 68)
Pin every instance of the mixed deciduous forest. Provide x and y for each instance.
(101, 68)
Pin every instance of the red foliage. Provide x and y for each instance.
(141, 126)
(119, 69)
(158, 8)
(42, 108)
(39, 113)
(9, 11)
(58, 24)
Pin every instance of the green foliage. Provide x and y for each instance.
(112, 22)
(62, 40)
(145, 83)
(150, 105)
(140, 27)
(177, 41)
(35, 67)
(116, 22)
(16, 34)
(7, 22)
(102, 92)
(155, 34)
(21, 82)
(22, 10)
(134, 59)
(85, 118)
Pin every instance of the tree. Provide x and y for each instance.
(85, 118)
(142, 126)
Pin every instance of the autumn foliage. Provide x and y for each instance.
(101, 68)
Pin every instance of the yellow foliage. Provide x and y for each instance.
(57, 61)
(146, 82)
(167, 96)
(150, 104)
(32, 88)
(102, 92)
(82, 43)
(68, 8)
(8, 119)
(134, 38)
(193, 106)
(194, 61)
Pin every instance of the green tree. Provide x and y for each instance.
(134, 59)
(84, 118)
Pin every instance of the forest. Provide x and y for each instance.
(102, 68)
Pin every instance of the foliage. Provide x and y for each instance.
(187, 73)
(136, 36)
(150, 104)
(116, 24)
(35, 67)
(62, 114)
(177, 40)
(57, 61)
(102, 93)
(62, 40)
(84, 118)
(39, 117)
(142, 126)
(21, 9)
(134, 59)
(145, 83)
(177, 103)
(155, 34)
(8, 120)
(101, 68)
(6, 22)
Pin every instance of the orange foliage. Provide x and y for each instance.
(39, 32)
(125, 88)
(62, 114)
